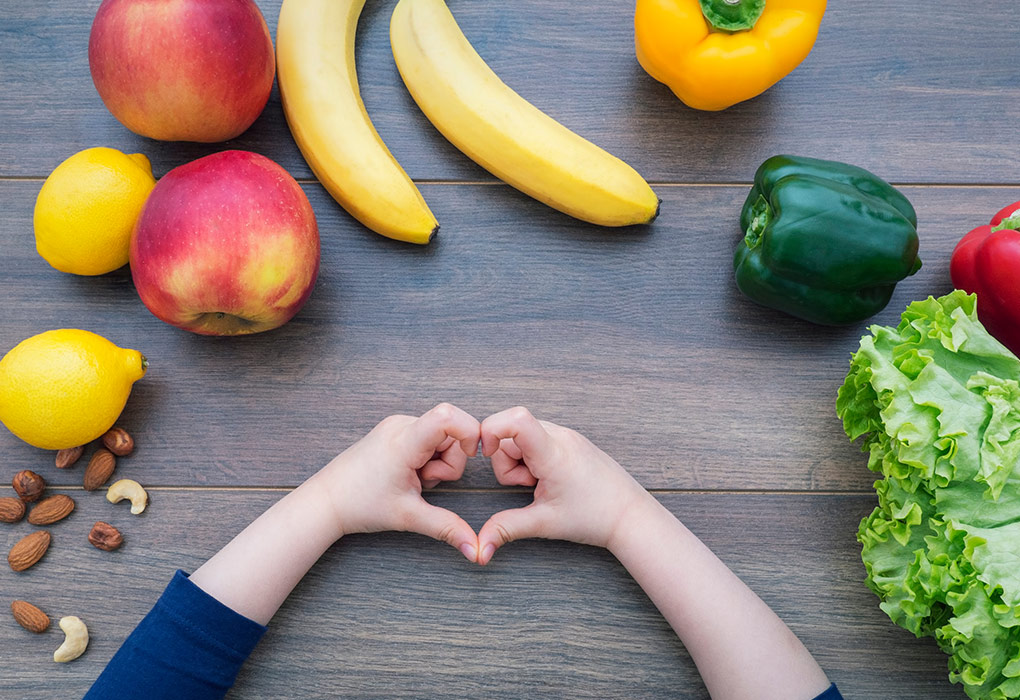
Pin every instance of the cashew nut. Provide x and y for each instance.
(130, 489)
(75, 640)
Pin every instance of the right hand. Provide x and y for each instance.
(581, 493)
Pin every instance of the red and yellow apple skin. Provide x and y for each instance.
(182, 70)
(226, 245)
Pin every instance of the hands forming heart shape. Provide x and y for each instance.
(581, 494)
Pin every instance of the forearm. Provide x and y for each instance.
(742, 649)
(258, 569)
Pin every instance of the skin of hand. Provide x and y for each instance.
(740, 646)
(581, 493)
(376, 484)
(373, 486)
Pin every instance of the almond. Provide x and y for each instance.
(11, 509)
(28, 485)
(106, 537)
(30, 617)
(67, 458)
(100, 469)
(28, 550)
(118, 441)
(50, 510)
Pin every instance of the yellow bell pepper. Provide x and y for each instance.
(715, 53)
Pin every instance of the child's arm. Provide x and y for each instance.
(195, 639)
(742, 649)
(373, 486)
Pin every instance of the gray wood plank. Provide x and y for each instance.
(919, 96)
(398, 615)
(640, 340)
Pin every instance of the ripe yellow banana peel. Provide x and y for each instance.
(503, 132)
(318, 82)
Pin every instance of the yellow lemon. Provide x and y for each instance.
(65, 388)
(87, 208)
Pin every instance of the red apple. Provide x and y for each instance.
(182, 70)
(226, 245)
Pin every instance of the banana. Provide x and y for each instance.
(504, 133)
(322, 102)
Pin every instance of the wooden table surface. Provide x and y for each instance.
(637, 338)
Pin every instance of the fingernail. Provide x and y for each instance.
(487, 553)
(469, 551)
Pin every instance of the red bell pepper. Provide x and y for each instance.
(986, 262)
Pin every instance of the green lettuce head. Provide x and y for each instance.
(937, 403)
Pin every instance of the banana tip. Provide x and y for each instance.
(658, 208)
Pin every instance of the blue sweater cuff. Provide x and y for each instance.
(190, 645)
(831, 694)
(208, 618)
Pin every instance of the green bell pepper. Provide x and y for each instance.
(824, 241)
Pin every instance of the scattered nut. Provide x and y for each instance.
(30, 617)
(28, 550)
(118, 441)
(67, 458)
(106, 537)
(50, 510)
(100, 469)
(11, 509)
(28, 485)
(75, 640)
(130, 489)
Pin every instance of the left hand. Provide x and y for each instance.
(376, 484)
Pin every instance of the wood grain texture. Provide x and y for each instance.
(399, 615)
(921, 100)
(638, 339)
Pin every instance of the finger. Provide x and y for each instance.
(519, 425)
(511, 448)
(428, 433)
(510, 525)
(447, 465)
(446, 444)
(445, 526)
(440, 470)
(511, 471)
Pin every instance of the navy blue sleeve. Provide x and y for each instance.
(831, 694)
(190, 645)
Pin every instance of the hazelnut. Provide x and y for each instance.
(106, 537)
(118, 441)
(28, 485)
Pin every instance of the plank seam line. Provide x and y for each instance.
(672, 184)
(512, 490)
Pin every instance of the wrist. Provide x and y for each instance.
(635, 524)
(318, 507)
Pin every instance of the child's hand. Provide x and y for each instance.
(581, 493)
(375, 485)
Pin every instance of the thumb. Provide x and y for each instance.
(508, 526)
(445, 526)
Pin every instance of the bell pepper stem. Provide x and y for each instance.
(1011, 222)
(732, 15)
(761, 217)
